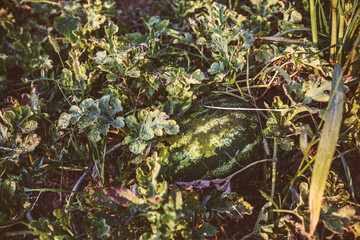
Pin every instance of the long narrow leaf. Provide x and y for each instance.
(43, 1)
(327, 146)
(348, 176)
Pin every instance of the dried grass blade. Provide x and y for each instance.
(327, 146)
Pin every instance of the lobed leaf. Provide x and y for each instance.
(216, 68)
(66, 26)
(137, 146)
(208, 230)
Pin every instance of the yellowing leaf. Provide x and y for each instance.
(122, 196)
(30, 142)
(29, 126)
(326, 149)
(64, 120)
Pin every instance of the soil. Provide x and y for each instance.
(47, 202)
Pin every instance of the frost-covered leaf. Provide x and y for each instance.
(87, 103)
(263, 54)
(286, 144)
(249, 39)
(148, 185)
(94, 135)
(131, 122)
(119, 122)
(103, 128)
(85, 121)
(29, 126)
(134, 73)
(216, 68)
(345, 212)
(97, 115)
(101, 57)
(171, 127)
(66, 26)
(30, 142)
(64, 120)
(112, 29)
(97, 130)
(127, 140)
(161, 27)
(153, 216)
(138, 146)
(316, 89)
(147, 133)
(90, 108)
(295, 17)
(234, 206)
(158, 132)
(156, 121)
(219, 43)
(76, 113)
(197, 77)
(110, 105)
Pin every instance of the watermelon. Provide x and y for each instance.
(212, 143)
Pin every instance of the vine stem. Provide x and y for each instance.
(250, 165)
(273, 178)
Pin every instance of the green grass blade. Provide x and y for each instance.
(327, 146)
(348, 176)
(284, 74)
(267, 197)
(322, 17)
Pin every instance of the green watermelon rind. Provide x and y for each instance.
(208, 141)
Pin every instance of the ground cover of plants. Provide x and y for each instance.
(92, 91)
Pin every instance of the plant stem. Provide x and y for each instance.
(324, 27)
(273, 174)
(314, 31)
(341, 36)
(352, 55)
(18, 233)
(236, 5)
(333, 30)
